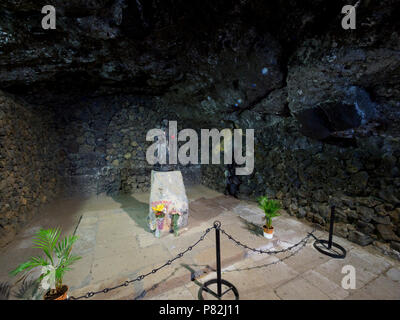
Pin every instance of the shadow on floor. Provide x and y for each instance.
(135, 209)
(171, 282)
(163, 281)
(292, 253)
(252, 228)
(5, 289)
(28, 290)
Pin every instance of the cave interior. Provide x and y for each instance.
(76, 103)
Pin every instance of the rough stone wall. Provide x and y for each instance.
(308, 177)
(95, 146)
(103, 143)
(28, 164)
(318, 96)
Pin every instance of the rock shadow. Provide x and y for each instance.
(135, 209)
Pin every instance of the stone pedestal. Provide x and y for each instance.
(167, 188)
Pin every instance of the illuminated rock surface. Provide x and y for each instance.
(167, 189)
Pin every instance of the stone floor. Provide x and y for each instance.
(116, 246)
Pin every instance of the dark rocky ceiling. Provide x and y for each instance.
(206, 58)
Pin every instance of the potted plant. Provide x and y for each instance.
(54, 264)
(270, 208)
(159, 212)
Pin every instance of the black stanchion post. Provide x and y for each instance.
(219, 281)
(325, 246)
(331, 227)
(218, 251)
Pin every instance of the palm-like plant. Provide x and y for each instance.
(55, 263)
(270, 208)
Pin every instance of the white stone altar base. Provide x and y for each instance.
(167, 188)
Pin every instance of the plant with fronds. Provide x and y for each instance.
(56, 261)
(270, 208)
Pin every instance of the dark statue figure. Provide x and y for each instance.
(164, 147)
(232, 180)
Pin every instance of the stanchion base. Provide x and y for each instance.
(322, 246)
(230, 286)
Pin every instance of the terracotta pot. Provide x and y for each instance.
(63, 296)
(268, 233)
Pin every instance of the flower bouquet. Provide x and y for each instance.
(159, 212)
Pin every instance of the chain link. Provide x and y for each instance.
(141, 277)
(181, 254)
(260, 251)
(292, 254)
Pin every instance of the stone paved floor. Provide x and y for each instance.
(116, 246)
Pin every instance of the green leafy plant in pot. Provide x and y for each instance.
(270, 208)
(55, 263)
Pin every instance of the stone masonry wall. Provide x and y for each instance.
(95, 146)
(28, 164)
(103, 143)
(308, 177)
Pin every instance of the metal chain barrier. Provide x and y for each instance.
(141, 277)
(304, 240)
(181, 254)
(292, 254)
